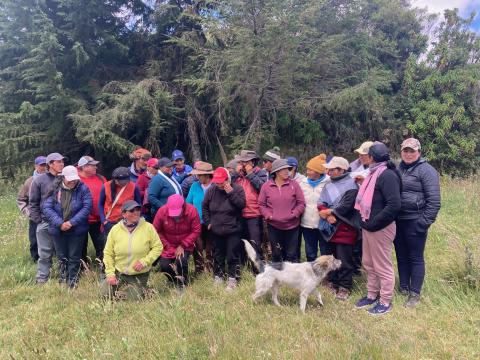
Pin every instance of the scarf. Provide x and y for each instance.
(174, 183)
(363, 202)
(36, 173)
(314, 183)
(65, 200)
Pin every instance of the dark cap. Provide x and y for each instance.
(379, 152)
(130, 205)
(247, 155)
(293, 162)
(54, 157)
(165, 162)
(121, 173)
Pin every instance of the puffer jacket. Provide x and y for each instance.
(420, 193)
(173, 233)
(81, 205)
(310, 217)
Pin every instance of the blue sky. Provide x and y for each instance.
(465, 7)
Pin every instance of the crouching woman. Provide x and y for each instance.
(132, 246)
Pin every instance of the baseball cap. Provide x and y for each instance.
(337, 162)
(411, 143)
(87, 160)
(165, 162)
(293, 162)
(220, 175)
(70, 173)
(121, 173)
(130, 205)
(152, 162)
(175, 205)
(363, 149)
(177, 154)
(40, 160)
(379, 152)
(54, 157)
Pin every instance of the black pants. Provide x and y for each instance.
(410, 246)
(32, 237)
(98, 240)
(343, 276)
(284, 244)
(226, 248)
(175, 269)
(68, 247)
(252, 231)
(357, 254)
(313, 240)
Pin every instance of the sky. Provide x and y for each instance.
(465, 7)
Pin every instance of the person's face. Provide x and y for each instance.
(70, 184)
(313, 174)
(179, 163)
(335, 172)
(369, 160)
(267, 165)
(409, 155)
(221, 186)
(152, 170)
(204, 179)
(89, 169)
(122, 182)
(132, 216)
(141, 163)
(283, 174)
(41, 169)
(56, 166)
(166, 170)
(363, 158)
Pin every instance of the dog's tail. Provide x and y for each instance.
(253, 256)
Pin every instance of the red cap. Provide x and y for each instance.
(175, 205)
(152, 162)
(220, 175)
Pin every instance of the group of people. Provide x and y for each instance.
(159, 212)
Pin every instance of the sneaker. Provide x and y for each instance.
(342, 294)
(404, 291)
(380, 309)
(218, 280)
(231, 284)
(364, 302)
(412, 300)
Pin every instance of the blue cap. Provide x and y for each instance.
(177, 154)
(292, 161)
(40, 160)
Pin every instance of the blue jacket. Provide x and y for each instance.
(195, 197)
(159, 190)
(180, 177)
(81, 205)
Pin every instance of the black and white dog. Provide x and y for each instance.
(304, 276)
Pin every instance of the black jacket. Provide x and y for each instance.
(223, 211)
(386, 201)
(421, 192)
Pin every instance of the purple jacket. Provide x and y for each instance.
(282, 207)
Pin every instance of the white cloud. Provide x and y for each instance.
(437, 6)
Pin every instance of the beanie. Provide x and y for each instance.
(316, 163)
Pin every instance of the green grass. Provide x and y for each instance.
(51, 322)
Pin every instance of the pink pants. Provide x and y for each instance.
(377, 261)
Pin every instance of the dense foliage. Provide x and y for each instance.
(213, 76)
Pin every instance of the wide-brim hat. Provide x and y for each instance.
(202, 168)
(247, 155)
(279, 164)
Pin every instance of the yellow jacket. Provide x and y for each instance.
(124, 249)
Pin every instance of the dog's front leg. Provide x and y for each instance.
(303, 300)
(319, 296)
(275, 295)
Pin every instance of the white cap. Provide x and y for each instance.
(337, 162)
(70, 173)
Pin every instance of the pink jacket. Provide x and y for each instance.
(282, 207)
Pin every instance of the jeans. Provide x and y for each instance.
(313, 240)
(341, 277)
(284, 244)
(226, 248)
(409, 247)
(176, 270)
(98, 240)
(32, 237)
(69, 252)
(46, 251)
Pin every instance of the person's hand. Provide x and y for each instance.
(112, 280)
(179, 252)
(359, 179)
(248, 168)
(331, 219)
(227, 187)
(138, 266)
(239, 168)
(209, 227)
(66, 226)
(325, 213)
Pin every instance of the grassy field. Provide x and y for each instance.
(51, 322)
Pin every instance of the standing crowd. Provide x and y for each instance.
(157, 213)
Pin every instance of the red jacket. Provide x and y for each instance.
(94, 184)
(344, 234)
(282, 207)
(142, 184)
(172, 234)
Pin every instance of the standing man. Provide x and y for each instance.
(23, 204)
(42, 187)
(87, 171)
(162, 186)
(140, 157)
(361, 163)
(269, 157)
(180, 170)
